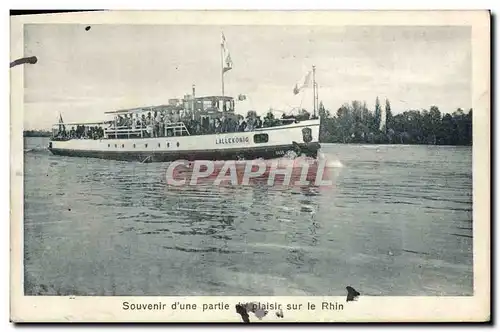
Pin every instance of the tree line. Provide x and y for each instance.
(355, 123)
(36, 133)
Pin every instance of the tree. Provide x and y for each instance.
(345, 121)
(469, 127)
(322, 111)
(388, 114)
(327, 125)
(354, 123)
(435, 118)
(377, 116)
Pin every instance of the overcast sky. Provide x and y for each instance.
(83, 73)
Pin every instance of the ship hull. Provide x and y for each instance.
(266, 143)
(164, 156)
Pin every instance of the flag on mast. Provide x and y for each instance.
(226, 56)
(62, 127)
(303, 83)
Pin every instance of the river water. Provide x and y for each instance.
(398, 221)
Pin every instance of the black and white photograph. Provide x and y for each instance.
(247, 159)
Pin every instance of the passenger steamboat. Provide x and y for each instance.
(191, 128)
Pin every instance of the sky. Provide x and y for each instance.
(82, 74)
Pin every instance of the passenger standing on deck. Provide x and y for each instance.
(175, 117)
(250, 124)
(155, 125)
(211, 126)
(233, 125)
(133, 121)
(258, 123)
(242, 124)
(217, 126)
(223, 124)
(141, 123)
(162, 124)
(198, 128)
(149, 125)
(167, 121)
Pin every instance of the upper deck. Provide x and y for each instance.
(207, 104)
(180, 117)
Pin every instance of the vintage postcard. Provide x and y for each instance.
(250, 166)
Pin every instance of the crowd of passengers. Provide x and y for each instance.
(81, 132)
(165, 123)
(159, 124)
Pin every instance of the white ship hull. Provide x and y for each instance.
(264, 143)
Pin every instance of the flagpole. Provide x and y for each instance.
(314, 90)
(317, 99)
(222, 66)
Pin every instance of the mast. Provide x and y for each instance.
(314, 91)
(317, 99)
(222, 66)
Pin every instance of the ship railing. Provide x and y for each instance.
(177, 129)
(170, 129)
(124, 132)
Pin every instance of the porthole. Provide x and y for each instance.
(159, 145)
(178, 144)
(134, 146)
(168, 144)
(123, 145)
(146, 145)
(115, 145)
(109, 145)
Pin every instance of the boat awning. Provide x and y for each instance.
(82, 123)
(213, 98)
(144, 109)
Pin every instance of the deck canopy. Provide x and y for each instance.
(198, 104)
(94, 123)
(145, 109)
(213, 98)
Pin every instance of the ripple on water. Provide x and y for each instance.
(398, 221)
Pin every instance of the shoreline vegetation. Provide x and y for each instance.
(355, 123)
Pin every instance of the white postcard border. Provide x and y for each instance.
(372, 309)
